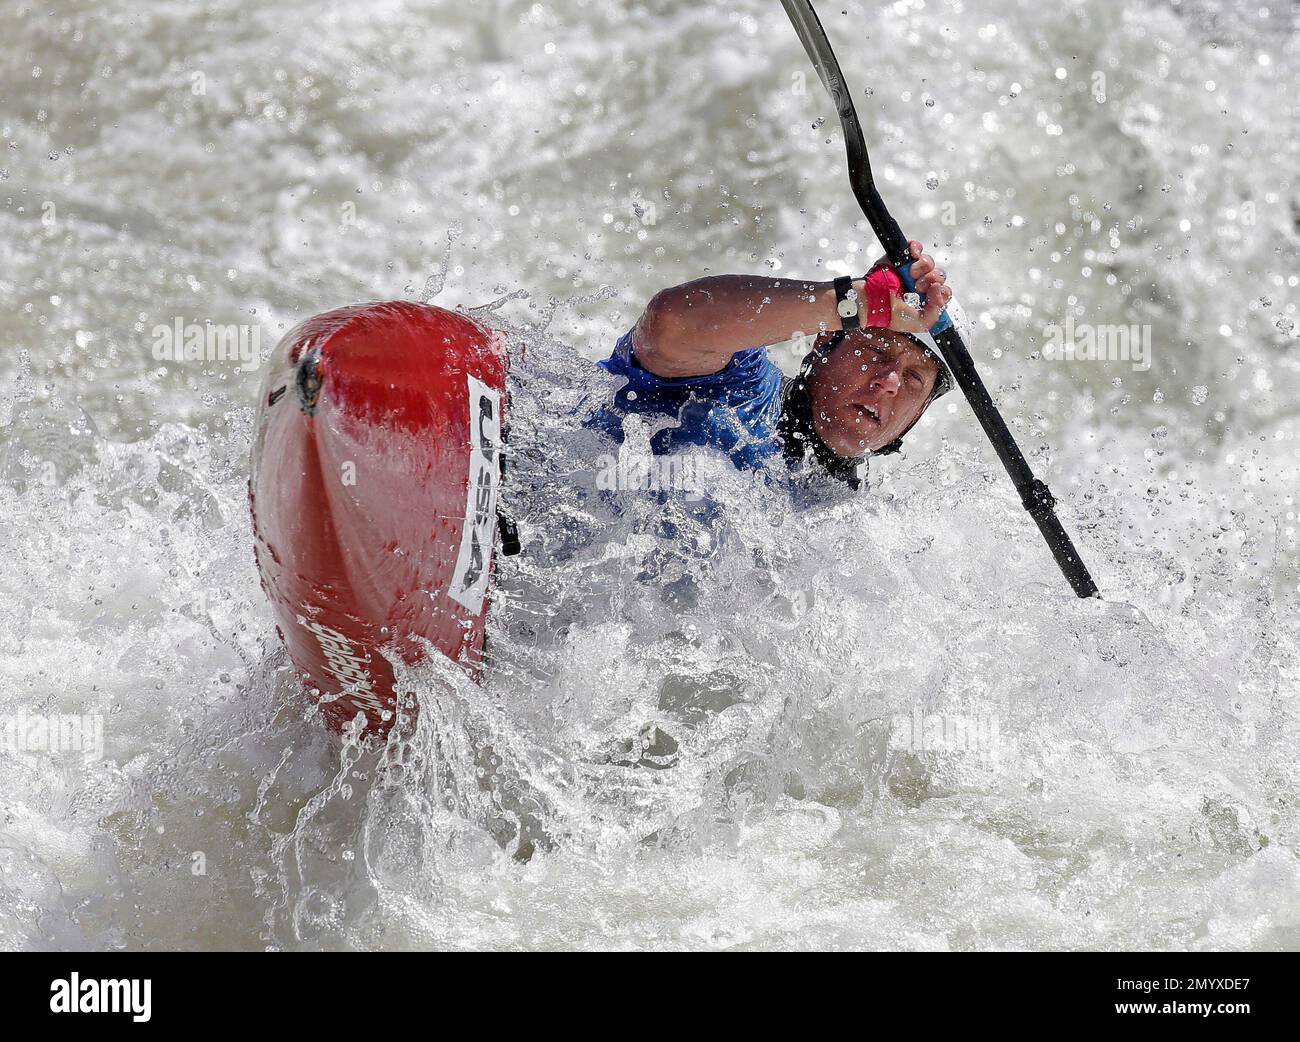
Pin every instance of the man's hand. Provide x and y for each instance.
(929, 280)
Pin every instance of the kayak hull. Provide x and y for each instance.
(375, 473)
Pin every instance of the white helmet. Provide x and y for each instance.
(957, 315)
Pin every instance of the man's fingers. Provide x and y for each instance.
(931, 283)
(909, 319)
(932, 310)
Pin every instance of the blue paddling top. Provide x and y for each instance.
(737, 409)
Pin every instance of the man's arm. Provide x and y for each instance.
(694, 329)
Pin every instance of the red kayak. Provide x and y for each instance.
(374, 486)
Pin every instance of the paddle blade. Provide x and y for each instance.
(813, 36)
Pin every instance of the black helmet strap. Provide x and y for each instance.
(798, 434)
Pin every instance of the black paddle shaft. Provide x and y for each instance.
(1034, 494)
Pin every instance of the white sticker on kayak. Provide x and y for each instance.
(470, 578)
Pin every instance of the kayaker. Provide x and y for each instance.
(699, 353)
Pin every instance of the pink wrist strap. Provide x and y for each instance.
(881, 284)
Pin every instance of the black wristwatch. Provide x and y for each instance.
(846, 302)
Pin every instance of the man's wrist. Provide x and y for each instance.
(849, 300)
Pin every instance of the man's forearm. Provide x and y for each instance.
(695, 328)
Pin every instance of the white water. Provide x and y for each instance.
(170, 160)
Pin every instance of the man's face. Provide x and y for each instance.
(869, 390)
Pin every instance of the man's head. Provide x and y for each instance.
(866, 391)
